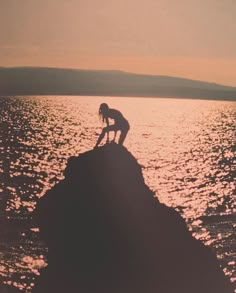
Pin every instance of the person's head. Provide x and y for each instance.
(103, 111)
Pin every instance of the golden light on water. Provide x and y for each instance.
(185, 148)
(180, 144)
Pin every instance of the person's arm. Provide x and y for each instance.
(107, 122)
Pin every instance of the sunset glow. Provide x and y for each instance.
(177, 38)
(117, 139)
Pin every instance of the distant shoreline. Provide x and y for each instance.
(128, 97)
(28, 81)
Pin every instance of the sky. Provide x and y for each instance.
(187, 38)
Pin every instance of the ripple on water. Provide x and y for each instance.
(186, 149)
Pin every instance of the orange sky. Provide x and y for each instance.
(193, 39)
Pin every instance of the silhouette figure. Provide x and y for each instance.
(120, 123)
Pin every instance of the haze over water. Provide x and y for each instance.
(186, 148)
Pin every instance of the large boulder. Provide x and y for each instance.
(107, 233)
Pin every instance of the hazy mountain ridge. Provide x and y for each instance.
(59, 81)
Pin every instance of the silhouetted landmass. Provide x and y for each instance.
(107, 233)
(55, 81)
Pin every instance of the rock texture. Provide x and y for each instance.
(8, 289)
(107, 233)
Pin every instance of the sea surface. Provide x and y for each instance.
(187, 150)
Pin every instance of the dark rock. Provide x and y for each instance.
(107, 233)
(8, 289)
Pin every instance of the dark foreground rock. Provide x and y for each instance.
(8, 289)
(107, 233)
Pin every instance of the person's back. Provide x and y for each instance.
(117, 116)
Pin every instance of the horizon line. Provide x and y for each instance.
(117, 70)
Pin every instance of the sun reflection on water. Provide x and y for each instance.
(186, 149)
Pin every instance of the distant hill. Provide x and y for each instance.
(56, 81)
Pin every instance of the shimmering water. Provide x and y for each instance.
(187, 150)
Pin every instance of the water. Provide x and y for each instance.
(186, 148)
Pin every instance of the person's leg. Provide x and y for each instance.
(123, 134)
(115, 133)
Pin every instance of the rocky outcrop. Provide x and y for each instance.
(8, 289)
(107, 233)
